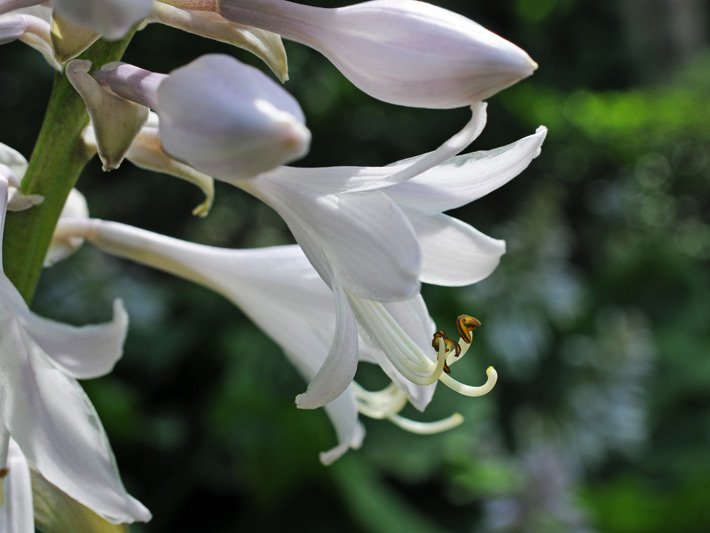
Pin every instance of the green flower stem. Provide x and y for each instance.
(57, 160)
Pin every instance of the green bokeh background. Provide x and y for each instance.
(596, 320)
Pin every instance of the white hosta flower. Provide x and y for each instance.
(32, 27)
(46, 412)
(374, 233)
(401, 51)
(281, 292)
(111, 18)
(225, 118)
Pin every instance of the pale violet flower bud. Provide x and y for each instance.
(111, 18)
(400, 51)
(225, 118)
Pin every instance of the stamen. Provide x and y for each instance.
(427, 428)
(449, 343)
(4, 472)
(468, 390)
(465, 325)
(388, 402)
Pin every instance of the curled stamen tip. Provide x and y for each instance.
(465, 324)
(492, 374)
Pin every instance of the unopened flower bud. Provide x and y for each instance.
(229, 119)
(400, 51)
(225, 118)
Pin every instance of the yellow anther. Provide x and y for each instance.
(449, 344)
(466, 324)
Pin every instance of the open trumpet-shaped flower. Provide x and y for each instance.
(400, 51)
(281, 292)
(45, 411)
(225, 118)
(373, 233)
(111, 18)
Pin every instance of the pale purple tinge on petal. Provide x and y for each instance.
(52, 420)
(228, 119)
(111, 18)
(31, 30)
(400, 51)
(16, 514)
(11, 28)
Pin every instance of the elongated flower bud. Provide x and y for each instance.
(400, 51)
(225, 118)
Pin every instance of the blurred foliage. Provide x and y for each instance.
(597, 319)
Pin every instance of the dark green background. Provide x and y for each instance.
(597, 319)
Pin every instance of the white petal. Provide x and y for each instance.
(276, 287)
(343, 414)
(16, 511)
(82, 352)
(228, 119)
(111, 18)
(58, 430)
(468, 177)
(61, 248)
(412, 316)
(454, 253)
(363, 237)
(357, 179)
(338, 370)
(13, 159)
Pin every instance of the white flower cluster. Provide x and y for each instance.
(349, 291)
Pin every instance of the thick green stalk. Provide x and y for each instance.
(57, 160)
